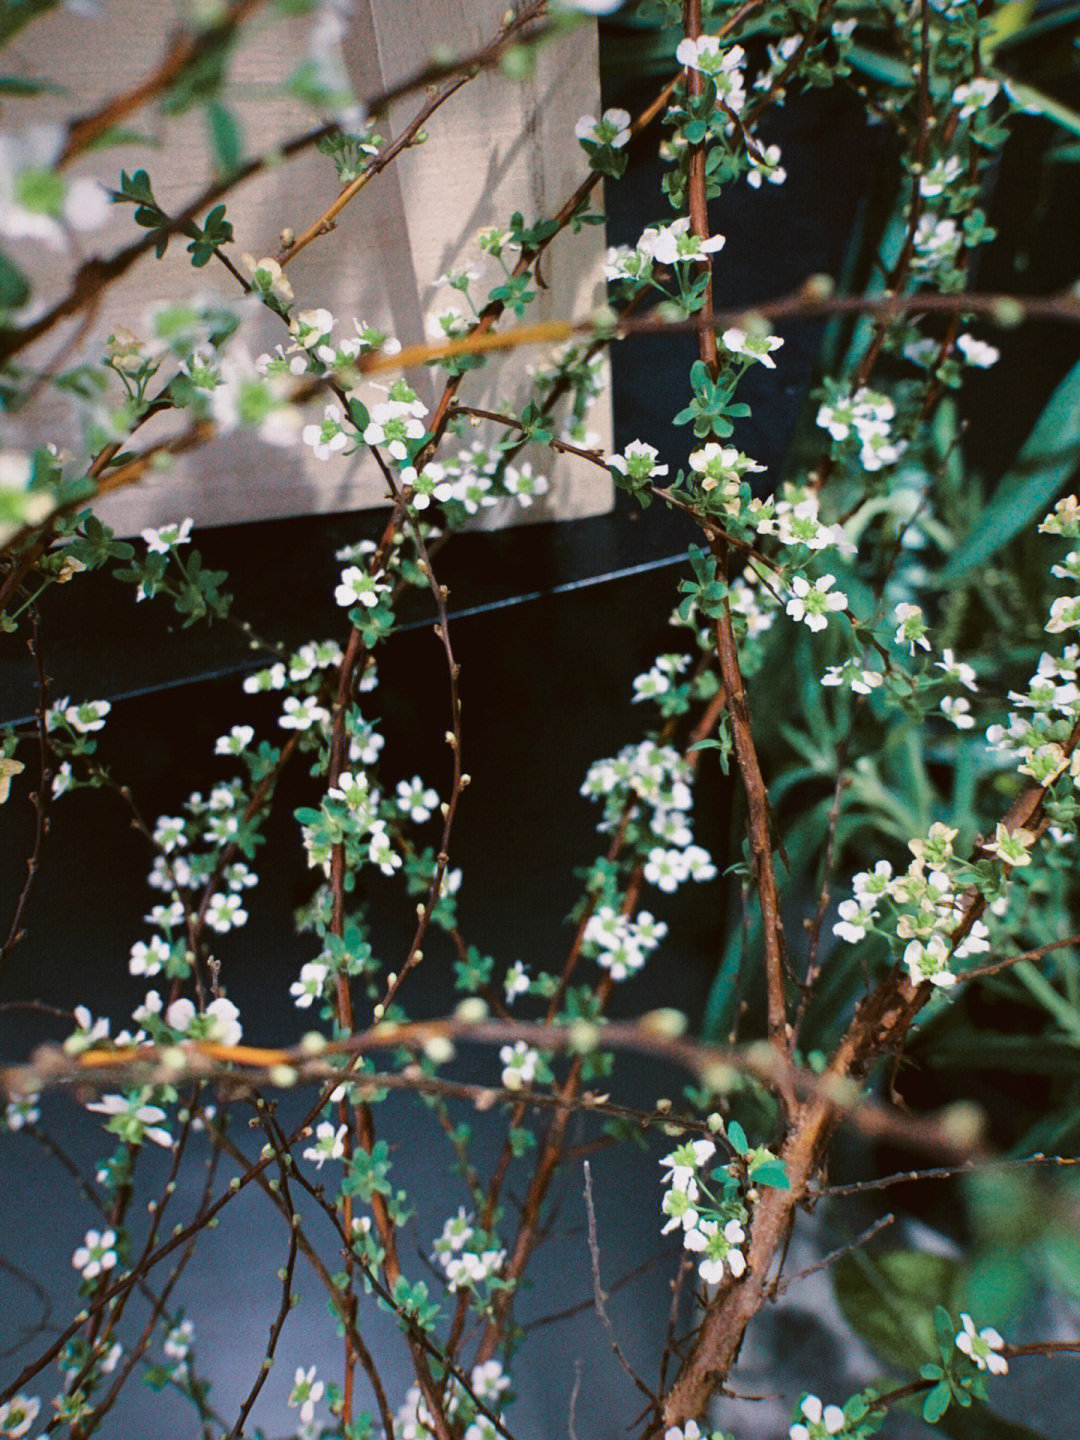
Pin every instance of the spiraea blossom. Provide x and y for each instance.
(520, 1065)
(982, 1347)
(219, 1022)
(676, 244)
(97, 1254)
(39, 202)
(722, 64)
(638, 462)
(613, 128)
(167, 537)
(814, 603)
(712, 1226)
(817, 1421)
(752, 346)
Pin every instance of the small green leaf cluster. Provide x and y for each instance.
(204, 239)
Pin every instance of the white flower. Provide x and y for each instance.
(329, 1144)
(358, 586)
(936, 240)
(133, 1120)
(764, 165)
(666, 869)
(328, 436)
(956, 670)
(812, 603)
(21, 1111)
(310, 986)
(516, 982)
(37, 201)
(456, 1234)
(225, 913)
(686, 1161)
(302, 714)
(311, 327)
(869, 884)
(828, 1419)
(18, 1414)
(1011, 846)
(167, 537)
(978, 352)
(306, 1392)
(381, 851)
(982, 1347)
(929, 961)
(625, 263)
(940, 176)
(613, 128)
(669, 244)
(148, 959)
(854, 918)
(96, 1254)
(267, 278)
(679, 1207)
(178, 1341)
(88, 716)
(957, 708)
(705, 54)
(637, 462)
(912, 627)
(522, 482)
(754, 347)
(719, 1247)
(520, 1064)
(63, 780)
(236, 742)
(393, 424)
(488, 1381)
(975, 95)
(219, 1023)
(689, 1431)
(416, 800)
(246, 399)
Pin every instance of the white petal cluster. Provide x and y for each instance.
(868, 416)
(466, 1258)
(929, 903)
(714, 1232)
(983, 1347)
(817, 1421)
(659, 779)
(621, 944)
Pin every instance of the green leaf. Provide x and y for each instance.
(14, 286)
(886, 68)
(936, 1403)
(23, 85)
(1036, 103)
(888, 1300)
(1007, 21)
(737, 1135)
(1043, 466)
(17, 13)
(979, 1423)
(225, 136)
(136, 187)
(996, 1286)
(772, 1173)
